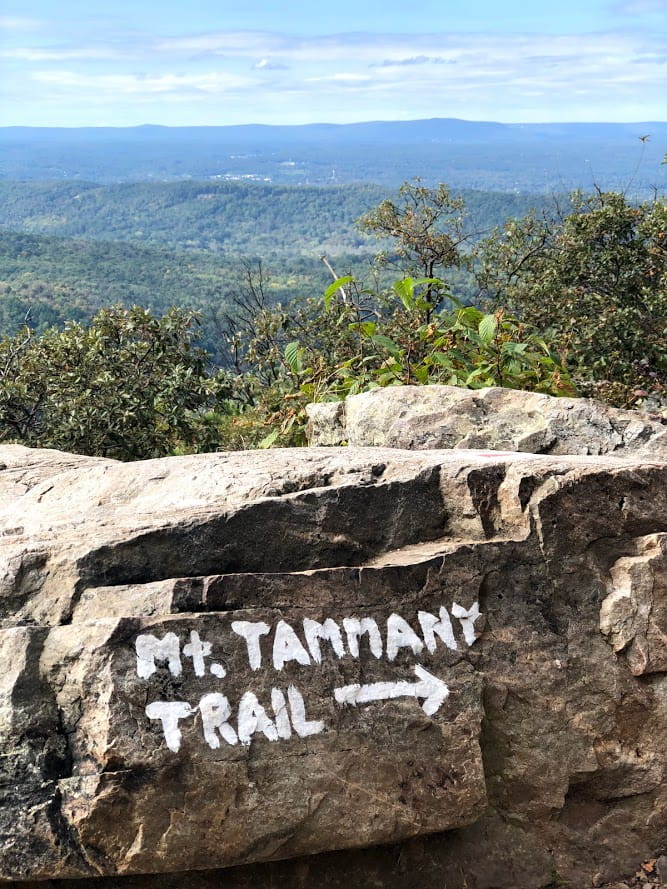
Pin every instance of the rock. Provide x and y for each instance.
(661, 868)
(630, 616)
(417, 668)
(498, 419)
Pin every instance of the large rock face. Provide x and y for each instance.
(233, 659)
(494, 418)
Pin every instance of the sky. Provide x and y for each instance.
(67, 63)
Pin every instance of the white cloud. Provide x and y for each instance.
(58, 55)
(231, 43)
(146, 84)
(316, 49)
(419, 51)
(412, 60)
(268, 65)
(362, 75)
(263, 50)
(342, 77)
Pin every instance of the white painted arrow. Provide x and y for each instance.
(433, 690)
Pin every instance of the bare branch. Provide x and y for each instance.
(335, 277)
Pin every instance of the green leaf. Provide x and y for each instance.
(386, 379)
(269, 440)
(541, 343)
(478, 372)
(366, 328)
(293, 354)
(470, 316)
(384, 342)
(454, 301)
(513, 348)
(405, 290)
(487, 328)
(441, 358)
(333, 289)
(435, 282)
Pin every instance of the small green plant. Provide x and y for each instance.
(457, 345)
(353, 340)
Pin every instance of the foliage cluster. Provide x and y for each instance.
(354, 340)
(576, 302)
(222, 218)
(127, 385)
(596, 279)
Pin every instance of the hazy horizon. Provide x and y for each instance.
(329, 123)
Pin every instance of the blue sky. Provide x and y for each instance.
(216, 62)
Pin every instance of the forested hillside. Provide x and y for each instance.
(227, 218)
(68, 249)
(59, 279)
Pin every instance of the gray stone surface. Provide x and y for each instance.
(426, 746)
(419, 417)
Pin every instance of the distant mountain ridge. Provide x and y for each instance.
(406, 130)
(466, 154)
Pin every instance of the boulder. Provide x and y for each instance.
(408, 668)
(494, 418)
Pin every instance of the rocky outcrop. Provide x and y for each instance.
(409, 669)
(497, 419)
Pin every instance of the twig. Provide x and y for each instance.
(335, 277)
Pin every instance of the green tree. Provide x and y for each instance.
(128, 385)
(426, 228)
(596, 277)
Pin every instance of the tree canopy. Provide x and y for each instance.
(595, 276)
(127, 385)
